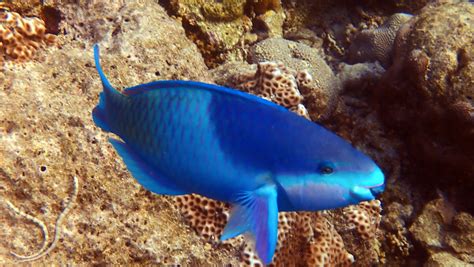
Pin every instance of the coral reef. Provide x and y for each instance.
(47, 137)
(20, 37)
(358, 74)
(300, 57)
(274, 82)
(307, 238)
(415, 119)
(427, 94)
(216, 27)
(377, 44)
(45, 249)
(439, 227)
(365, 217)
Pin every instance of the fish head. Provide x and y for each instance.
(343, 176)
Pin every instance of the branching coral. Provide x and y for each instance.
(45, 249)
(275, 82)
(20, 37)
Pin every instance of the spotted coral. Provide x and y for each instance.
(305, 237)
(275, 82)
(365, 217)
(20, 37)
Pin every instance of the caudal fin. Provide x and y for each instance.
(99, 114)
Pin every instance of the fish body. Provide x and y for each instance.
(181, 137)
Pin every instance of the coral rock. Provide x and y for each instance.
(445, 259)
(20, 37)
(377, 44)
(270, 80)
(300, 57)
(365, 216)
(303, 237)
(215, 26)
(427, 96)
(439, 226)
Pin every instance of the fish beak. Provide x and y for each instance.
(377, 190)
(365, 193)
(378, 179)
(361, 193)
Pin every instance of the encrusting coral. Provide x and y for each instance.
(20, 37)
(303, 237)
(365, 217)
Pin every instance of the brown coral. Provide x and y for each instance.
(275, 82)
(302, 237)
(20, 37)
(365, 217)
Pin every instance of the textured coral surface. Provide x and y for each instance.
(20, 37)
(67, 198)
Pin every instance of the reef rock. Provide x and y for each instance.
(427, 98)
(47, 138)
(440, 227)
(215, 26)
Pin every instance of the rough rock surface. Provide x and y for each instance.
(301, 57)
(427, 98)
(47, 137)
(215, 26)
(20, 37)
(440, 228)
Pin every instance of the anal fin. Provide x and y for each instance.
(143, 173)
(257, 213)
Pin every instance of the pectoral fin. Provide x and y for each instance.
(257, 213)
(143, 173)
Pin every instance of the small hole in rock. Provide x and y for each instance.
(43, 168)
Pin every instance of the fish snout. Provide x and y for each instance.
(377, 178)
(377, 190)
(369, 192)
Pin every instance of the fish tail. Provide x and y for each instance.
(108, 96)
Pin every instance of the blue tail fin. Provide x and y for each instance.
(99, 114)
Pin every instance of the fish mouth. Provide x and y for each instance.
(366, 193)
(376, 189)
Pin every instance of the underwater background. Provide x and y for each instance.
(394, 78)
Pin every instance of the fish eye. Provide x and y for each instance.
(326, 168)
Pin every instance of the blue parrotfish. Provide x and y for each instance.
(180, 137)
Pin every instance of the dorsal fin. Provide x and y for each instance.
(157, 85)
